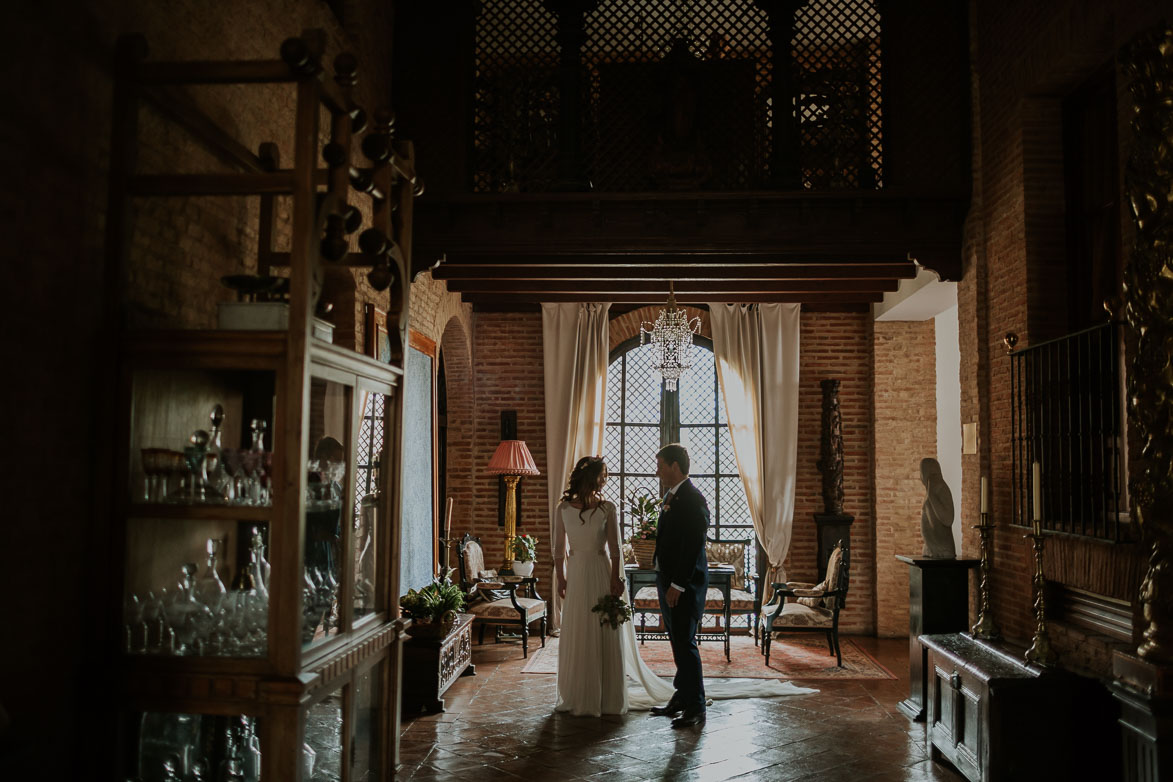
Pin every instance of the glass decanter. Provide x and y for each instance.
(191, 620)
(258, 565)
(254, 461)
(209, 588)
(218, 478)
(251, 749)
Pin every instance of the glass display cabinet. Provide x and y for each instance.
(255, 490)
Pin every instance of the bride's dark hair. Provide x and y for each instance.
(584, 484)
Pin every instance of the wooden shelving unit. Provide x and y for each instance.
(326, 666)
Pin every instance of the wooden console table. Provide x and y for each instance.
(938, 602)
(431, 665)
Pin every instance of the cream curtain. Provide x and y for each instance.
(756, 351)
(575, 352)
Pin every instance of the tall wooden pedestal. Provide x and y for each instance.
(833, 527)
(938, 602)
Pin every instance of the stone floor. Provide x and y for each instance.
(500, 725)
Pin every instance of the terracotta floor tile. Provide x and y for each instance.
(500, 727)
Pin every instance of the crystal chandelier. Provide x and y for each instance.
(671, 337)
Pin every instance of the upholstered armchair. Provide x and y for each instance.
(499, 601)
(813, 608)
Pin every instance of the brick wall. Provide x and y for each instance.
(905, 420)
(507, 363)
(1027, 56)
(837, 345)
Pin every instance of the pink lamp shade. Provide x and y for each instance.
(512, 458)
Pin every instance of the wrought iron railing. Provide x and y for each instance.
(1067, 415)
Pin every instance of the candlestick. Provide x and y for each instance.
(1037, 490)
(1040, 651)
(984, 628)
(985, 507)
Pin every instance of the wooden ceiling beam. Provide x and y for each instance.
(620, 309)
(607, 271)
(660, 287)
(526, 255)
(508, 301)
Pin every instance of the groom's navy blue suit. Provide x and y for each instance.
(680, 560)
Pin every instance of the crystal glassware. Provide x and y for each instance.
(209, 588)
(176, 471)
(153, 466)
(132, 636)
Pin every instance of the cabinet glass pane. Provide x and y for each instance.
(196, 587)
(322, 751)
(327, 487)
(367, 745)
(368, 530)
(169, 747)
(201, 437)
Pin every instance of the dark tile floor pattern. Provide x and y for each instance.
(500, 725)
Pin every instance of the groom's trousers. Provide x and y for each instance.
(681, 624)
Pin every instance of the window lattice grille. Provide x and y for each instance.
(370, 449)
(634, 101)
(641, 417)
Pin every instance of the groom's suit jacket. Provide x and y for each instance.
(680, 545)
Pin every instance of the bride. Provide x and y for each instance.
(599, 668)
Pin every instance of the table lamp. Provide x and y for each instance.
(511, 460)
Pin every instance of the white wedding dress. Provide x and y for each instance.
(599, 668)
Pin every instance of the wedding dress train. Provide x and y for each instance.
(645, 689)
(600, 670)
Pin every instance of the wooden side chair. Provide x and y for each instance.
(812, 608)
(499, 601)
(744, 596)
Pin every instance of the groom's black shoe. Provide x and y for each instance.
(690, 717)
(671, 709)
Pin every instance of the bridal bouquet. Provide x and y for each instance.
(612, 611)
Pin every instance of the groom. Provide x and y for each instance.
(682, 579)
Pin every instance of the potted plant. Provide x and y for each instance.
(645, 515)
(525, 551)
(433, 608)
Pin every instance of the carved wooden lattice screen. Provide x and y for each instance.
(695, 117)
(836, 46)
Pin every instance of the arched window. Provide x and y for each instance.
(642, 416)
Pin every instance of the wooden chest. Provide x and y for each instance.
(990, 715)
(430, 666)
